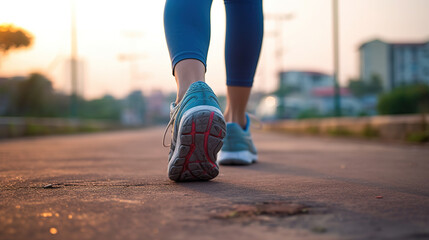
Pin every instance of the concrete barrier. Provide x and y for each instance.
(413, 128)
(17, 127)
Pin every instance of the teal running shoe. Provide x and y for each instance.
(238, 148)
(198, 127)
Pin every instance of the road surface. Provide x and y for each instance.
(114, 186)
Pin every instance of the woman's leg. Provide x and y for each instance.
(198, 123)
(236, 103)
(244, 32)
(187, 30)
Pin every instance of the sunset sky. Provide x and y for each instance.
(104, 30)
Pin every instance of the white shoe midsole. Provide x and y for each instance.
(245, 156)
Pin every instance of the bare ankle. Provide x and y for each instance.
(187, 72)
(239, 118)
(237, 98)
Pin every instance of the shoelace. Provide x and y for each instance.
(170, 123)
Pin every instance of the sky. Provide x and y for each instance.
(108, 29)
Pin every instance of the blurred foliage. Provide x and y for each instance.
(370, 131)
(106, 107)
(340, 131)
(12, 37)
(310, 113)
(418, 137)
(35, 97)
(359, 87)
(405, 100)
(313, 130)
(136, 101)
(285, 90)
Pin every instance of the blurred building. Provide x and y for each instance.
(396, 63)
(158, 107)
(134, 111)
(4, 99)
(306, 94)
(322, 100)
(304, 82)
(8, 88)
(319, 103)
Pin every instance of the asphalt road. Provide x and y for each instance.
(114, 186)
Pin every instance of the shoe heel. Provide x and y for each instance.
(199, 140)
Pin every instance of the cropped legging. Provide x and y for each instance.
(187, 30)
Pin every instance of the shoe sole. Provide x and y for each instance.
(236, 158)
(199, 139)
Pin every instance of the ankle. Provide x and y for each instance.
(187, 72)
(239, 118)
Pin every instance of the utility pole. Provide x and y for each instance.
(130, 116)
(73, 62)
(337, 96)
(279, 19)
(132, 57)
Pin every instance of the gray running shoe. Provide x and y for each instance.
(238, 147)
(198, 130)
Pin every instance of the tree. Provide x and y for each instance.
(374, 85)
(8, 93)
(361, 87)
(404, 100)
(136, 102)
(12, 37)
(35, 96)
(106, 108)
(31, 96)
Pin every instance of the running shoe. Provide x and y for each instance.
(238, 147)
(198, 127)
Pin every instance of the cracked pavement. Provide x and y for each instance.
(114, 185)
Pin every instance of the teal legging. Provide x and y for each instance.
(187, 30)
